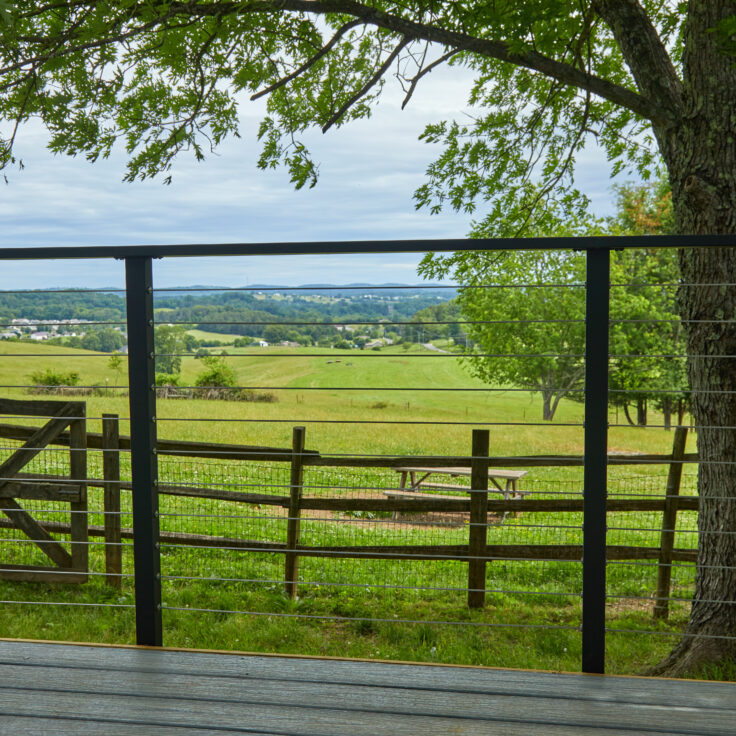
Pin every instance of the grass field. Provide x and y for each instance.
(226, 339)
(383, 609)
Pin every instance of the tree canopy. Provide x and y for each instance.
(528, 308)
(525, 314)
(161, 78)
(653, 82)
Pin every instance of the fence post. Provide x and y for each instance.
(78, 470)
(478, 520)
(291, 574)
(144, 466)
(669, 522)
(597, 289)
(111, 493)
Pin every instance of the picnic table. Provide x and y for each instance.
(418, 480)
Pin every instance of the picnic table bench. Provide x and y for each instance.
(417, 478)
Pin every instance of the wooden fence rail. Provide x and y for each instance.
(477, 504)
(252, 453)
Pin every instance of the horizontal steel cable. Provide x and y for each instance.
(332, 617)
(336, 554)
(379, 586)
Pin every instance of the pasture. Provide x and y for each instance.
(384, 609)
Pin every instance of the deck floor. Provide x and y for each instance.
(71, 689)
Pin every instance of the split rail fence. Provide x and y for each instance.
(477, 504)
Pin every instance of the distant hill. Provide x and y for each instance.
(259, 304)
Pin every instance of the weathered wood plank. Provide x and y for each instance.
(276, 668)
(78, 471)
(572, 552)
(23, 455)
(293, 528)
(36, 574)
(210, 693)
(669, 524)
(20, 519)
(224, 703)
(39, 407)
(396, 500)
(111, 496)
(40, 491)
(530, 461)
(173, 447)
(492, 472)
(36, 443)
(421, 496)
(31, 725)
(34, 726)
(478, 527)
(312, 457)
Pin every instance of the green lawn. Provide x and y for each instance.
(367, 608)
(222, 337)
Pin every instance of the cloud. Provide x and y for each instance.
(369, 172)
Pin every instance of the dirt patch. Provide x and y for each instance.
(402, 520)
(627, 605)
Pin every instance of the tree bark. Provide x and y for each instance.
(547, 412)
(667, 413)
(701, 159)
(641, 412)
(628, 416)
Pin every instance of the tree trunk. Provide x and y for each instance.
(641, 412)
(628, 416)
(680, 412)
(701, 158)
(667, 413)
(547, 410)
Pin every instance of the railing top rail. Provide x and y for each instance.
(605, 242)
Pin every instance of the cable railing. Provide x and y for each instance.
(193, 504)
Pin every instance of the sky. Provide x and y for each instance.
(369, 171)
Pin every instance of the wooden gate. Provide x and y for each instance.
(68, 567)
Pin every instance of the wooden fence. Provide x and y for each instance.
(67, 566)
(476, 552)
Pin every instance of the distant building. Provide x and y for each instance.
(39, 335)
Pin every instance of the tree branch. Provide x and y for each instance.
(367, 86)
(489, 48)
(626, 18)
(310, 62)
(644, 53)
(427, 69)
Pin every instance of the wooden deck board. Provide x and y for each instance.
(103, 690)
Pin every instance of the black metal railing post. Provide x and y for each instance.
(597, 291)
(142, 400)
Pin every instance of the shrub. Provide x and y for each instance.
(218, 381)
(217, 373)
(47, 377)
(168, 379)
(48, 381)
